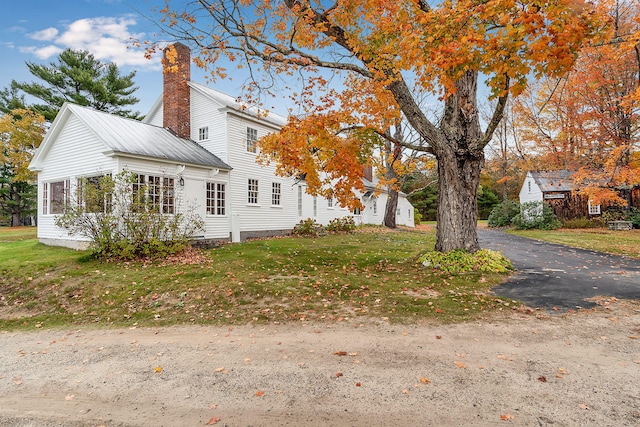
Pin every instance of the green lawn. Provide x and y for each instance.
(598, 239)
(372, 273)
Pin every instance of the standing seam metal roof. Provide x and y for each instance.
(128, 136)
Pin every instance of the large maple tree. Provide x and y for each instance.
(387, 55)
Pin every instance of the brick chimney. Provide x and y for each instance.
(176, 99)
(368, 173)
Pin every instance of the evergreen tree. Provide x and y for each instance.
(80, 78)
(17, 198)
(11, 98)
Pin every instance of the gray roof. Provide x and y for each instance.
(558, 180)
(128, 136)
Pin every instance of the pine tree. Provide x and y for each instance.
(80, 78)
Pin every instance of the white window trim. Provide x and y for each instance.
(215, 198)
(257, 191)
(203, 130)
(593, 209)
(330, 203)
(254, 141)
(49, 193)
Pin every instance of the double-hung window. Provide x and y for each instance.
(252, 191)
(216, 198)
(252, 140)
(276, 193)
(58, 195)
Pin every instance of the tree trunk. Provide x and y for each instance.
(15, 220)
(390, 209)
(457, 144)
(392, 153)
(460, 159)
(457, 205)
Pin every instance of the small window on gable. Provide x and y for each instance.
(375, 206)
(593, 208)
(330, 202)
(203, 133)
(529, 186)
(252, 139)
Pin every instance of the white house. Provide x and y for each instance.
(197, 149)
(557, 189)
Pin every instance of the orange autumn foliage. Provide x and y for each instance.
(354, 67)
(588, 121)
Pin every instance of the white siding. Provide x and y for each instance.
(155, 117)
(191, 197)
(206, 113)
(530, 191)
(262, 216)
(76, 153)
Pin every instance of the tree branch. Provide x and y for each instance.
(496, 118)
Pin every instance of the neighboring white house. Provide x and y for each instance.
(556, 188)
(546, 185)
(197, 147)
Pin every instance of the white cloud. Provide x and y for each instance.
(47, 34)
(44, 52)
(107, 38)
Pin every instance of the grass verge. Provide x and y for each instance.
(373, 273)
(596, 239)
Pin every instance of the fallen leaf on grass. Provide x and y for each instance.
(542, 379)
(212, 421)
(405, 391)
(158, 369)
(340, 353)
(425, 380)
(220, 369)
(339, 374)
(213, 406)
(358, 384)
(506, 417)
(438, 337)
(17, 380)
(633, 337)
(583, 406)
(460, 365)
(69, 397)
(259, 393)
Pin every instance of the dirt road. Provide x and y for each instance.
(524, 369)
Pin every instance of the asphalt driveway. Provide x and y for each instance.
(557, 277)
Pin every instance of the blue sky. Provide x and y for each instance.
(38, 30)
